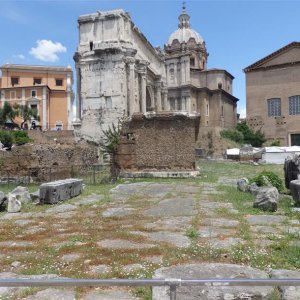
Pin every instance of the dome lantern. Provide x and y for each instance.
(184, 32)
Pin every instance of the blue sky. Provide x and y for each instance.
(237, 33)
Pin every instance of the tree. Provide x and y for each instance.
(256, 139)
(232, 134)
(244, 135)
(112, 136)
(7, 114)
(26, 113)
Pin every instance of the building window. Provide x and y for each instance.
(13, 95)
(295, 139)
(192, 61)
(171, 72)
(222, 111)
(207, 109)
(172, 102)
(33, 106)
(178, 105)
(14, 81)
(108, 103)
(58, 125)
(33, 93)
(37, 81)
(294, 105)
(274, 107)
(58, 82)
(183, 105)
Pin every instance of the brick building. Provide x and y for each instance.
(273, 95)
(47, 89)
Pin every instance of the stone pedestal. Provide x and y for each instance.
(291, 169)
(295, 190)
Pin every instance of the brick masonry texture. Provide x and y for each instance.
(163, 141)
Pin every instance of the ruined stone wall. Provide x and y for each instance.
(36, 160)
(52, 137)
(157, 142)
(210, 140)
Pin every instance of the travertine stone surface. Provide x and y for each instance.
(118, 72)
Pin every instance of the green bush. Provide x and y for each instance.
(256, 139)
(233, 135)
(266, 177)
(6, 138)
(275, 143)
(21, 137)
(242, 134)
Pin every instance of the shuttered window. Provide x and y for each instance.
(274, 107)
(294, 105)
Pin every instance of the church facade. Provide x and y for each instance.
(120, 73)
(191, 86)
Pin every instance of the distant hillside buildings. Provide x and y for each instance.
(47, 89)
(273, 95)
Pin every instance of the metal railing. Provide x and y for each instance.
(91, 174)
(172, 283)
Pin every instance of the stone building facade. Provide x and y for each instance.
(120, 73)
(191, 86)
(273, 95)
(46, 89)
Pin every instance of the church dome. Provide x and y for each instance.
(184, 31)
(184, 34)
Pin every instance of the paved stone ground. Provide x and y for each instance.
(142, 218)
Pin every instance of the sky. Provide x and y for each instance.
(237, 33)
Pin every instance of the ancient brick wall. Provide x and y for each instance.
(210, 140)
(164, 141)
(36, 160)
(52, 137)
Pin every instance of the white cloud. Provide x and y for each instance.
(46, 50)
(242, 112)
(19, 56)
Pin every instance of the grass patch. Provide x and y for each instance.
(87, 226)
(192, 233)
(143, 292)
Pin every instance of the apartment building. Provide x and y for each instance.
(47, 89)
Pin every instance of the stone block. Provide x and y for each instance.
(295, 190)
(22, 194)
(3, 201)
(291, 169)
(266, 199)
(216, 291)
(60, 190)
(243, 184)
(13, 205)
